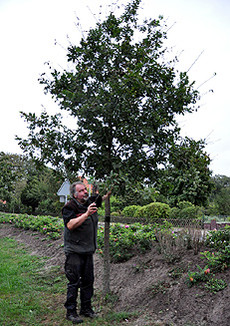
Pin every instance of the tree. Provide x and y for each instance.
(40, 192)
(187, 176)
(12, 179)
(30, 195)
(7, 176)
(123, 97)
(223, 201)
(220, 195)
(23, 183)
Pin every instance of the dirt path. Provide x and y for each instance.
(146, 284)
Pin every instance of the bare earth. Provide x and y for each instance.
(146, 284)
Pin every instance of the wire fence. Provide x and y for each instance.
(176, 222)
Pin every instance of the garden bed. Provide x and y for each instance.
(146, 284)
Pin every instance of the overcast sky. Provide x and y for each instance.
(35, 31)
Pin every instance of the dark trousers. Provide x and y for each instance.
(80, 274)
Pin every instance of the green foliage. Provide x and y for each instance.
(215, 285)
(135, 193)
(24, 185)
(12, 180)
(187, 176)
(49, 207)
(218, 239)
(114, 207)
(217, 261)
(211, 209)
(184, 204)
(124, 98)
(126, 240)
(153, 212)
(186, 210)
(202, 275)
(223, 201)
(220, 196)
(131, 211)
(192, 212)
(52, 226)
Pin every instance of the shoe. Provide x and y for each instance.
(88, 313)
(73, 316)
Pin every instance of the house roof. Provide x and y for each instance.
(64, 189)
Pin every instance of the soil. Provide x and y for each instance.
(146, 284)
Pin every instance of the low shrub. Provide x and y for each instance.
(186, 211)
(131, 211)
(192, 212)
(153, 212)
(184, 204)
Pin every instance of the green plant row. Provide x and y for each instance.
(127, 240)
(49, 225)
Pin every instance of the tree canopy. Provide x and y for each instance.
(187, 176)
(25, 187)
(123, 97)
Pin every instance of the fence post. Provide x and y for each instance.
(213, 225)
(106, 281)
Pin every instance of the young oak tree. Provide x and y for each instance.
(124, 99)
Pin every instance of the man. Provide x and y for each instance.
(80, 242)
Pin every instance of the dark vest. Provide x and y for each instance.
(83, 239)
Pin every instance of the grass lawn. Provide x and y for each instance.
(31, 294)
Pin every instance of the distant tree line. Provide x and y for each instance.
(26, 187)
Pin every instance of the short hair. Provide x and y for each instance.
(72, 188)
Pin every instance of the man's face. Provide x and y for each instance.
(82, 193)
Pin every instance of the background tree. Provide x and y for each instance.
(220, 196)
(124, 99)
(12, 179)
(40, 191)
(30, 195)
(187, 176)
(24, 186)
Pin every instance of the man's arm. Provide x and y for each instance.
(77, 221)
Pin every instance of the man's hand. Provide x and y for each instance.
(107, 195)
(92, 208)
(76, 222)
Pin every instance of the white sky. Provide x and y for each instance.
(27, 38)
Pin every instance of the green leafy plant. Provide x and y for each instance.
(217, 261)
(126, 240)
(160, 287)
(176, 272)
(49, 225)
(219, 238)
(215, 285)
(201, 275)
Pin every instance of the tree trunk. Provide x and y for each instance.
(106, 283)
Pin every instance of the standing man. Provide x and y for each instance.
(80, 242)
